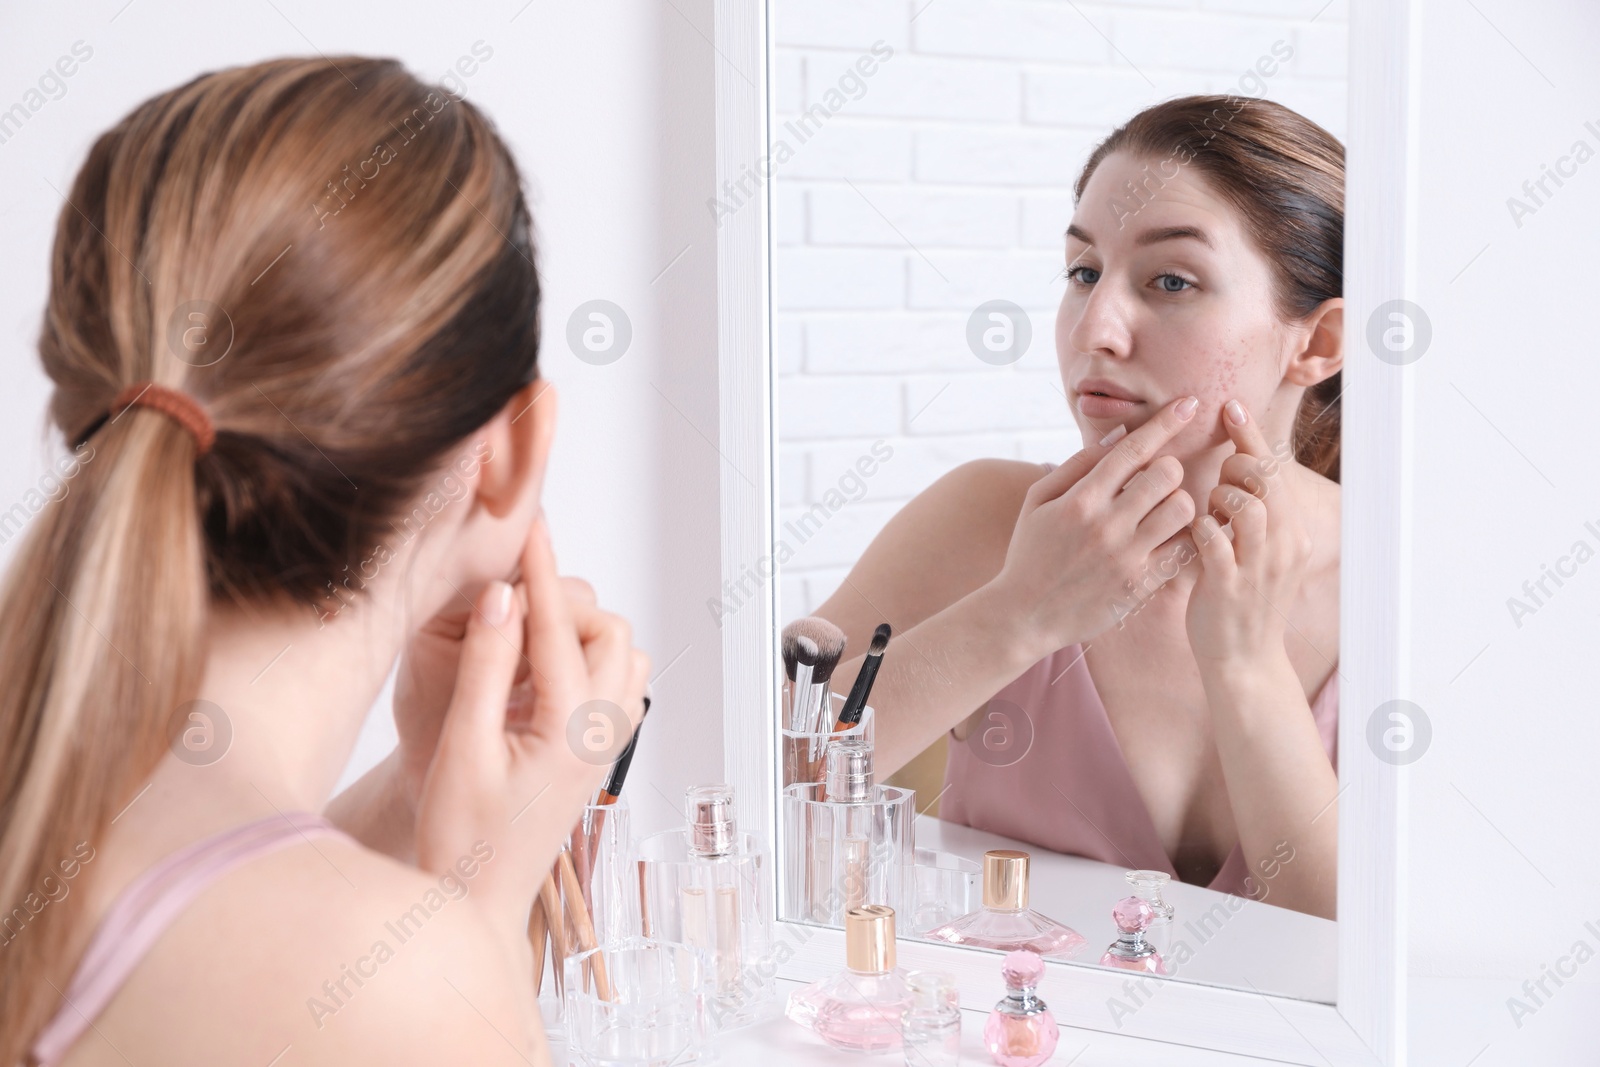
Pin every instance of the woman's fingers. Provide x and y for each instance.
(1246, 515)
(1166, 519)
(490, 652)
(1216, 552)
(1138, 448)
(607, 641)
(556, 662)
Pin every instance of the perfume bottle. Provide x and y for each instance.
(1132, 950)
(848, 840)
(1021, 1032)
(862, 1007)
(1147, 886)
(702, 886)
(932, 1024)
(1005, 921)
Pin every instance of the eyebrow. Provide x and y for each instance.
(1150, 237)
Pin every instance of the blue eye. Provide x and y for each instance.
(1075, 274)
(1183, 283)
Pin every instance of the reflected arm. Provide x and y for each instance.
(1280, 784)
(928, 573)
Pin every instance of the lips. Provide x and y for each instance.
(1102, 387)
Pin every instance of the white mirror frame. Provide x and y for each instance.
(1367, 1023)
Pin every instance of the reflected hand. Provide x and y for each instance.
(1093, 527)
(1238, 608)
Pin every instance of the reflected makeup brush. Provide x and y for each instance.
(817, 703)
(855, 704)
(799, 657)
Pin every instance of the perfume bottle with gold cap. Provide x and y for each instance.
(703, 886)
(1005, 922)
(861, 1007)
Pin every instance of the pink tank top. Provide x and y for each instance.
(1052, 772)
(144, 910)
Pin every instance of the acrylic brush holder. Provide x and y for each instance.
(593, 895)
(840, 855)
(804, 751)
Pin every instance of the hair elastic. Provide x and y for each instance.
(173, 403)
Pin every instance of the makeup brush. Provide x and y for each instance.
(805, 655)
(799, 654)
(813, 699)
(619, 770)
(855, 704)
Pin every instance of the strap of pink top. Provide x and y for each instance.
(144, 910)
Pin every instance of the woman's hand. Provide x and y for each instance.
(1092, 531)
(504, 780)
(1239, 605)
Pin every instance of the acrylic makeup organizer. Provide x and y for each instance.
(847, 842)
(654, 1011)
(944, 887)
(702, 886)
(804, 751)
(594, 896)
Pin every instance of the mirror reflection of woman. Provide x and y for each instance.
(1155, 621)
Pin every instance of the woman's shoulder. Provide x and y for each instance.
(981, 491)
(351, 956)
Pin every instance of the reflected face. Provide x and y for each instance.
(1164, 298)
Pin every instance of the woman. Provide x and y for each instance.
(292, 330)
(1149, 632)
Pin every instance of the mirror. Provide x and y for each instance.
(1111, 653)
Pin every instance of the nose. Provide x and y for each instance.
(1096, 325)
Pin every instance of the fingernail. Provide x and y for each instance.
(1236, 413)
(497, 603)
(1186, 408)
(1114, 436)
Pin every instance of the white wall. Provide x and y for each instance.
(1505, 870)
(607, 107)
(944, 181)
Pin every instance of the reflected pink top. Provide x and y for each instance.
(1052, 772)
(142, 912)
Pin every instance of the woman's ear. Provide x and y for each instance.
(1321, 356)
(519, 439)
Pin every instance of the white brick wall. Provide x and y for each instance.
(944, 181)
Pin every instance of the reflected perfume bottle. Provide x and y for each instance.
(847, 840)
(932, 1024)
(1132, 950)
(1147, 886)
(1005, 921)
(1021, 1032)
(861, 1008)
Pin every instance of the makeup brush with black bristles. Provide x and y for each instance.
(856, 702)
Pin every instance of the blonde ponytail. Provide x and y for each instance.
(360, 351)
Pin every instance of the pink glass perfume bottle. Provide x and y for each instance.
(860, 1008)
(1021, 1032)
(1005, 921)
(1132, 950)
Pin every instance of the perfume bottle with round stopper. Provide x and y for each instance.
(1021, 1032)
(1005, 921)
(1132, 950)
(932, 1024)
(861, 1008)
